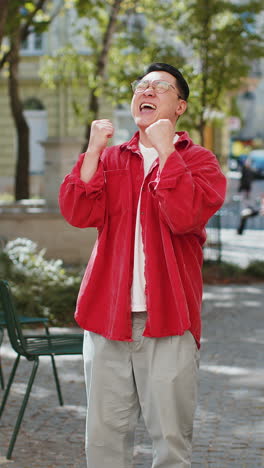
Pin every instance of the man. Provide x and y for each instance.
(140, 298)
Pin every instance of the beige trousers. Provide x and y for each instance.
(157, 376)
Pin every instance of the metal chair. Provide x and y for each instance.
(32, 347)
(24, 321)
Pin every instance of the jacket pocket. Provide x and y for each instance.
(117, 191)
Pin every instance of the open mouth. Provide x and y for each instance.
(146, 106)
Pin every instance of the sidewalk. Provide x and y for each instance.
(242, 249)
(238, 249)
(229, 424)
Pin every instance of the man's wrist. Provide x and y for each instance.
(92, 154)
(163, 156)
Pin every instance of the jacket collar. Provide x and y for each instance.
(132, 145)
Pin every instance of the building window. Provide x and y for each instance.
(33, 44)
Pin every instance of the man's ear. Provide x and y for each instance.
(181, 107)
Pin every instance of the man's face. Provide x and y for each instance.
(149, 106)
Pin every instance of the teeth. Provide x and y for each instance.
(147, 106)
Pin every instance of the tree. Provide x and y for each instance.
(101, 61)
(21, 18)
(223, 39)
(116, 33)
(220, 40)
(3, 17)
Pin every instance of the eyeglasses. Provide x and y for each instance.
(160, 87)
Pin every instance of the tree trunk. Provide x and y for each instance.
(94, 111)
(100, 66)
(22, 129)
(3, 17)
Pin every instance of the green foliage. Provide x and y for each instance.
(22, 12)
(41, 287)
(225, 39)
(225, 272)
(33, 103)
(24, 17)
(136, 40)
(222, 269)
(213, 41)
(256, 269)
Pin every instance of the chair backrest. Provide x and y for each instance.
(12, 322)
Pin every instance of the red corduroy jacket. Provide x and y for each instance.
(176, 204)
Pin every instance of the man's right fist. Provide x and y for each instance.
(101, 131)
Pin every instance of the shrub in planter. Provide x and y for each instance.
(41, 287)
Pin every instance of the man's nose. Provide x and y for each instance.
(150, 90)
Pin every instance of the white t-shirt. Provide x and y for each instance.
(138, 297)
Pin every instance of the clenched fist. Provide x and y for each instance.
(101, 131)
(161, 134)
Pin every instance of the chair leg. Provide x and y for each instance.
(10, 381)
(55, 372)
(56, 377)
(22, 409)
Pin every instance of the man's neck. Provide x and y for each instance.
(144, 139)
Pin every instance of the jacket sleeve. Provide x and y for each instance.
(189, 190)
(83, 204)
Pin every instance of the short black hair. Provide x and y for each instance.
(181, 82)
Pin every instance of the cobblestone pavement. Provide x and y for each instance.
(229, 424)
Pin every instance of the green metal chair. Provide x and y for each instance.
(32, 347)
(24, 321)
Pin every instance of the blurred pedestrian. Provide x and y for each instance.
(247, 177)
(140, 299)
(256, 208)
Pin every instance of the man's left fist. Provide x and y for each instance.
(160, 135)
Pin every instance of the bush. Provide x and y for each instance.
(44, 287)
(215, 271)
(224, 272)
(256, 268)
(40, 287)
